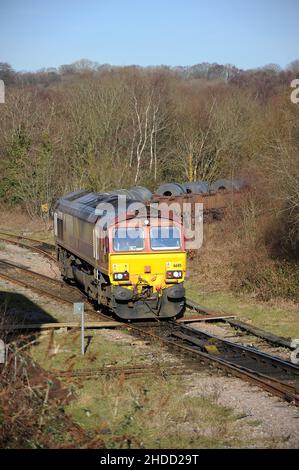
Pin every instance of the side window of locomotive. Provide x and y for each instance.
(103, 247)
(105, 244)
(60, 228)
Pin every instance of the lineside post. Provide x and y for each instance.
(79, 310)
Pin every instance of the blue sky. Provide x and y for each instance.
(247, 33)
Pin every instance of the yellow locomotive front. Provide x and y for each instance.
(147, 266)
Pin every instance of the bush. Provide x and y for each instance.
(31, 409)
(266, 278)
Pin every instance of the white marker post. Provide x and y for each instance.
(79, 310)
(2, 352)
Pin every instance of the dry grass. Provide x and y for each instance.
(278, 316)
(155, 413)
(31, 399)
(31, 408)
(235, 257)
(16, 221)
(211, 266)
(152, 411)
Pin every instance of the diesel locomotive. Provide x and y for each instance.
(129, 257)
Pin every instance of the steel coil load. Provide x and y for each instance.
(196, 187)
(140, 193)
(121, 192)
(171, 189)
(226, 184)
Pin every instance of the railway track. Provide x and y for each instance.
(277, 376)
(242, 326)
(45, 249)
(162, 370)
(44, 285)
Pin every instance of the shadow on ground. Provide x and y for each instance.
(17, 309)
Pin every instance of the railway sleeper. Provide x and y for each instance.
(204, 345)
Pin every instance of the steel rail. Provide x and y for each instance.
(137, 371)
(190, 347)
(240, 325)
(195, 344)
(21, 237)
(53, 288)
(68, 294)
(36, 245)
(236, 351)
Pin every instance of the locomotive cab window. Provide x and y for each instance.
(165, 238)
(128, 239)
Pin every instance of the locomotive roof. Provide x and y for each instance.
(83, 204)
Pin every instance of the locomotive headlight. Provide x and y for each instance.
(121, 276)
(174, 274)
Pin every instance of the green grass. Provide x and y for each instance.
(281, 320)
(62, 351)
(43, 235)
(154, 413)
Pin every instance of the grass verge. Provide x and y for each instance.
(279, 318)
